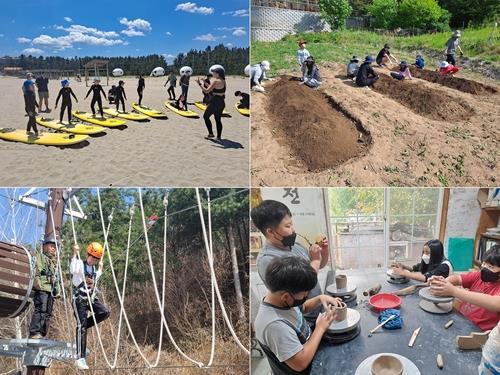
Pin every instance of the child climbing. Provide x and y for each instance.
(384, 57)
(258, 74)
(433, 263)
(446, 68)
(141, 85)
(172, 82)
(30, 106)
(451, 47)
(244, 99)
(419, 62)
(312, 77)
(120, 95)
(280, 326)
(403, 73)
(46, 288)
(352, 67)
(96, 90)
(85, 275)
(65, 93)
(302, 55)
(366, 75)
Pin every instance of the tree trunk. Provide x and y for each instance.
(236, 274)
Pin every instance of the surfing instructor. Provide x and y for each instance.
(216, 90)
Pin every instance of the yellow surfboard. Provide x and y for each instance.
(46, 139)
(74, 127)
(203, 107)
(187, 113)
(149, 111)
(108, 122)
(126, 115)
(243, 111)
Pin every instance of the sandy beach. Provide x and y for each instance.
(170, 152)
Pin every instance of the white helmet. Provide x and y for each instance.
(216, 66)
(186, 71)
(456, 34)
(443, 64)
(266, 65)
(247, 70)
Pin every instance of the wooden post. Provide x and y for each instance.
(55, 205)
(35, 370)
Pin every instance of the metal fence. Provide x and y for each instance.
(302, 5)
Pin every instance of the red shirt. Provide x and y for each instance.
(450, 69)
(481, 317)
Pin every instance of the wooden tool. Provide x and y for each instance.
(373, 290)
(381, 324)
(440, 361)
(409, 290)
(414, 337)
(449, 324)
(475, 340)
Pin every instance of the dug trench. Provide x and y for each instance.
(317, 129)
(434, 104)
(457, 83)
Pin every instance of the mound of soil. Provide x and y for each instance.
(314, 126)
(424, 101)
(457, 83)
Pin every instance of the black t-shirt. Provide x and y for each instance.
(245, 100)
(42, 84)
(441, 269)
(383, 51)
(365, 71)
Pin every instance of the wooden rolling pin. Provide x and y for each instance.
(373, 290)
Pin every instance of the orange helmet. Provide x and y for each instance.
(95, 249)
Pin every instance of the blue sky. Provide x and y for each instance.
(109, 28)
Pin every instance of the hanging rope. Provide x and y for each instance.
(219, 297)
(212, 350)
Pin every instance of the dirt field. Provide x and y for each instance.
(428, 131)
(170, 152)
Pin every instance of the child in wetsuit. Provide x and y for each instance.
(244, 101)
(181, 103)
(96, 90)
(172, 81)
(120, 94)
(140, 88)
(184, 81)
(31, 104)
(206, 83)
(66, 92)
(111, 94)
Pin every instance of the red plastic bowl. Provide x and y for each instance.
(384, 301)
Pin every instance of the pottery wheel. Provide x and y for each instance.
(350, 322)
(391, 280)
(426, 294)
(390, 273)
(349, 298)
(341, 338)
(436, 308)
(333, 291)
(365, 367)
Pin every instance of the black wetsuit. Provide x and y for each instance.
(172, 80)
(366, 75)
(66, 94)
(96, 89)
(140, 88)
(184, 81)
(120, 94)
(31, 105)
(244, 101)
(216, 107)
(206, 97)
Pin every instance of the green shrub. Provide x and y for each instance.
(385, 13)
(335, 12)
(422, 14)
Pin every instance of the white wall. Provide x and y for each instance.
(463, 214)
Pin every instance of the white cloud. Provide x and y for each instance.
(239, 32)
(88, 30)
(135, 27)
(67, 41)
(237, 13)
(168, 33)
(68, 19)
(229, 44)
(192, 8)
(206, 38)
(2, 35)
(32, 51)
(23, 40)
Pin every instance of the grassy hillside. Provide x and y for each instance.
(482, 44)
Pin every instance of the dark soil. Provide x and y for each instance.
(457, 83)
(317, 129)
(430, 103)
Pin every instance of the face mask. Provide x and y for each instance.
(297, 302)
(489, 276)
(426, 258)
(289, 240)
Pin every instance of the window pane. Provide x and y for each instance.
(426, 201)
(401, 201)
